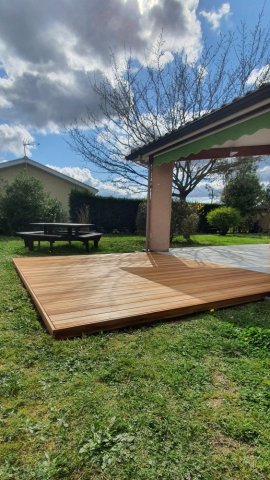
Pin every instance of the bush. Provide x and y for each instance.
(83, 214)
(24, 201)
(141, 219)
(224, 218)
(53, 210)
(185, 218)
(204, 226)
(190, 225)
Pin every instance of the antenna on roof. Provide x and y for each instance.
(29, 144)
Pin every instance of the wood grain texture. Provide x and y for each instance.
(86, 294)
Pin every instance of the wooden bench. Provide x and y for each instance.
(30, 237)
(25, 235)
(86, 237)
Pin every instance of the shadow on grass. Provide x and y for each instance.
(188, 243)
(248, 315)
(7, 238)
(59, 250)
(18, 249)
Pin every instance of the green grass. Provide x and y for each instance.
(108, 244)
(184, 400)
(230, 239)
(128, 243)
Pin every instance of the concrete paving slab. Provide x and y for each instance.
(249, 257)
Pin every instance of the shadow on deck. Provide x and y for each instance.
(86, 294)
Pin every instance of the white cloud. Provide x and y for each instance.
(114, 188)
(117, 188)
(200, 193)
(259, 75)
(12, 138)
(264, 171)
(214, 17)
(50, 55)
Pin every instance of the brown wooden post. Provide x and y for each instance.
(159, 208)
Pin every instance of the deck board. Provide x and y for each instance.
(80, 294)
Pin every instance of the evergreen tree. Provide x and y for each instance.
(243, 191)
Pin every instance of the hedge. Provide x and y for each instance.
(112, 214)
(109, 214)
(204, 226)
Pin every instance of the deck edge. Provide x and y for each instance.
(154, 317)
(46, 319)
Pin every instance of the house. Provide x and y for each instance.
(56, 184)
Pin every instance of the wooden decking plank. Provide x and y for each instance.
(74, 330)
(36, 301)
(159, 292)
(126, 321)
(149, 305)
(79, 305)
(89, 293)
(176, 282)
(129, 293)
(127, 277)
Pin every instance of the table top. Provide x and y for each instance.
(56, 224)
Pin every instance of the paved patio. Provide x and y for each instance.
(250, 257)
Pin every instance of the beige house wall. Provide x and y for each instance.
(55, 186)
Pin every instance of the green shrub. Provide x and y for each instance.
(53, 210)
(185, 218)
(180, 210)
(205, 208)
(224, 218)
(24, 201)
(141, 218)
(190, 225)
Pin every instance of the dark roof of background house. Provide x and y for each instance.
(28, 161)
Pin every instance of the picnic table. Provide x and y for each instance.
(56, 231)
(69, 228)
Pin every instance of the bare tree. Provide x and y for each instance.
(140, 104)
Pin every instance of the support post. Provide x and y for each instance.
(150, 167)
(159, 207)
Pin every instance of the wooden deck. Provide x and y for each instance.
(79, 294)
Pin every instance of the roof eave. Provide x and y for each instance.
(250, 100)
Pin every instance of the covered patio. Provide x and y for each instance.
(238, 129)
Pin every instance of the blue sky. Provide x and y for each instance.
(47, 51)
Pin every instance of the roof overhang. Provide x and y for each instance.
(241, 128)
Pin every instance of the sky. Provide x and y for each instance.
(50, 51)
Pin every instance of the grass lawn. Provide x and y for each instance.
(184, 400)
(208, 240)
(129, 243)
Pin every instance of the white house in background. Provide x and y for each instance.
(56, 184)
